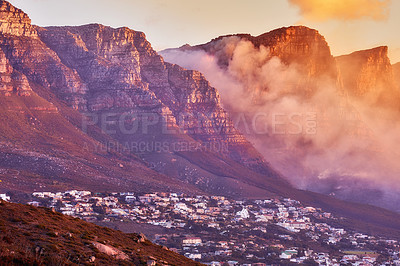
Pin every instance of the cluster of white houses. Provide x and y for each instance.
(216, 229)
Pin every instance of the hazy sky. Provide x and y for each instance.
(348, 25)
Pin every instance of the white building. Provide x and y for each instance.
(192, 241)
(5, 197)
(244, 213)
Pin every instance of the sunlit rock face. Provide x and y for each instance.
(97, 69)
(32, 60)
(124, 74)
(12, 81)
(298, 46)
(291, 73)
(396, 74)
(301, 45)
(368, 76)
(115, 77)
(15, 22)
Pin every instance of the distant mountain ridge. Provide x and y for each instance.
(369, 75)
(295, 44)
(291, 72)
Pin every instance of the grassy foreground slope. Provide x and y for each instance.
(39, 236)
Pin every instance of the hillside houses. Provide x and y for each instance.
(213, 229)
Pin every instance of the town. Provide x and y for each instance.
(216, 230)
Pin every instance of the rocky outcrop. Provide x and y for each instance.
(396, 74)
(301, 45)
(124, 74)
(291, 70)
(14, 21)
(12, 81)
(103, 71)
(298, 46)
(28, 55)
(368, 76)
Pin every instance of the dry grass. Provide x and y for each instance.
(38, 236)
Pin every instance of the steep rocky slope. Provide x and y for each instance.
(38, 236)
(289, 80)
(396, 73)
(118, 81)
(298, 45)
(14, 21)
(43, 144)
(124, 74)
(368, 76)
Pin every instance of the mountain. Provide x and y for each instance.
(43, 145)
(39, 236)
(113, 76)
(15, 21)
(125, 75)
(314, 123)
(96, 108)
(368, 75)
(396, 73)
(297, 45)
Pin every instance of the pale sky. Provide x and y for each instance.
(172, 23)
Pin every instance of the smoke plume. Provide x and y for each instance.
(323, 142)
(321, 10)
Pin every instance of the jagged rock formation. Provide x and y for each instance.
(42, 142)
(340, 99)
(99, 71)
(298, 45)
(12, 81)
(30, 56)
(396, 74)
(124, 74)
(368, 76)
(15, 22)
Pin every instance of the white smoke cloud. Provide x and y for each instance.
(322, 143)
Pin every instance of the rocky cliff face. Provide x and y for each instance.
(14, 21)
(368, 76)
(301, 45)
(124, 74)
(31, 57)
(12, 81)
(114, 76)
(291, 72)
(97, 68)
(295, 45)
(396, 74)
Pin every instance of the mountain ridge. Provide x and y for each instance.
(374, 81)
(273, 81)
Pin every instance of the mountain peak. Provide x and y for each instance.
(380, 52)
(14, 21)
(294, 42)
(375, 75)
(292, 30)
